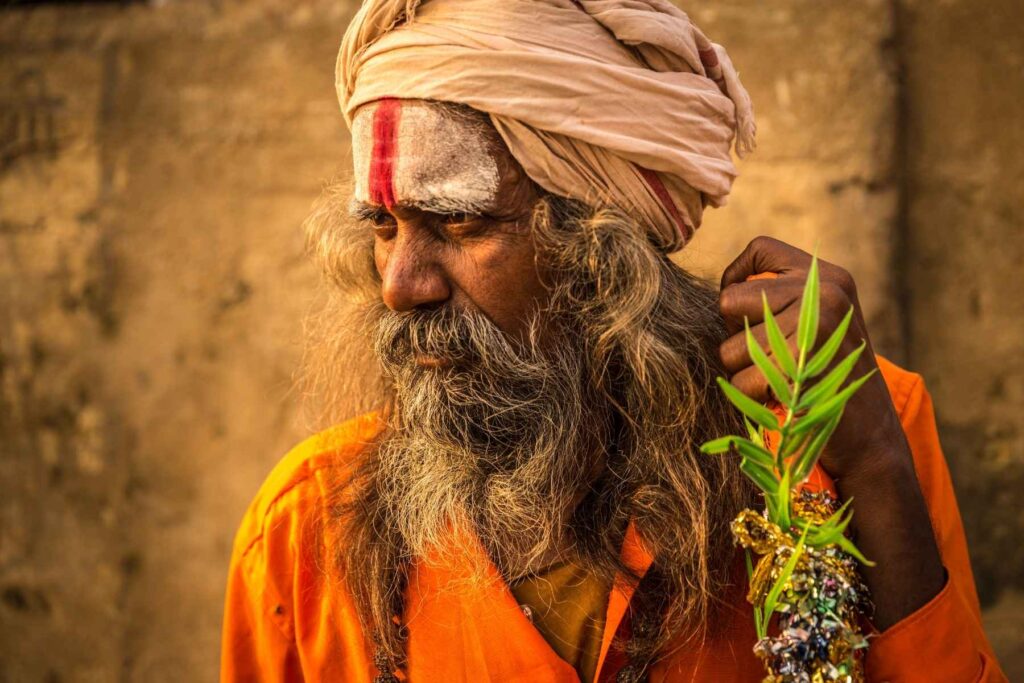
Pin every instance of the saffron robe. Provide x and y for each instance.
(288, 619)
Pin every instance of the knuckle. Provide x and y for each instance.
(723, 354)
(829, 318)
(739, 380)
(727, 350)
(844, 280)
(834, 297)
(728, 300)
(751, 384)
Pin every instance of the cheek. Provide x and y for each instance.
(500, 278)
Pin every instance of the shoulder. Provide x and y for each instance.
(302, 479)
(276, 548)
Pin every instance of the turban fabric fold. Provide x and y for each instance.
(621, 103)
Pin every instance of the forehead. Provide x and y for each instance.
(413, 153)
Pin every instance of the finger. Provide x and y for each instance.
(752, 383)
(734, 353)
(765, 255)
(743, 300)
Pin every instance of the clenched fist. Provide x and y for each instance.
(870, 428)
(868, 455)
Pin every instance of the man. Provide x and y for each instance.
(526, 501)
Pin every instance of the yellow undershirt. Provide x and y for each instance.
(567, 605)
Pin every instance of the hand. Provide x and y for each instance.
(869, 436)
(868, 455)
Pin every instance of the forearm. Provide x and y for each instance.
(894, 530)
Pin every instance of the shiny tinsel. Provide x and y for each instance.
(818, 636)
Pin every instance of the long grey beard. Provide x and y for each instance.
(497, 443)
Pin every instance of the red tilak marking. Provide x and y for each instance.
(385, 152)
(661, 192)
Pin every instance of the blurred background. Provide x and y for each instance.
(157, 159)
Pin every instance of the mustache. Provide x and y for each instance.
(494, 393)
(463, 337)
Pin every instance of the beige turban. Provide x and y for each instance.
(613, 102)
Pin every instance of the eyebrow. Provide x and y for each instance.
(360, 210)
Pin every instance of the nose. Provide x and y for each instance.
(411, 274)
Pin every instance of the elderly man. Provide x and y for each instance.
(526, 501)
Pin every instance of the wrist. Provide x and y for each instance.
(883, 471)
(872, 449)
(892, 526)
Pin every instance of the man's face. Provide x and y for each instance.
(489, 416)
(450, 209)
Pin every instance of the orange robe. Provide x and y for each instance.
(288, 620)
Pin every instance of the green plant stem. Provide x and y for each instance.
(790, 409)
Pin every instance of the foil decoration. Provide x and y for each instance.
(817, 638)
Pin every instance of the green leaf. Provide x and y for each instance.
(827, 532)
(777, 340)
(770, 503)
(820, 538)
(748, 406)
(807, 326)
(772, 373)
(719, 445)
(791, 444)
(845, 521)
(753, 431)
(758, 625)
(787, 446)
(847, 545)
(823, 356)
(829, 384)
(771, 601)
(783, 494)
(816, 420)
(760, 476)
(751, 450)
(830, 408)
(831, 532)
(806, 460)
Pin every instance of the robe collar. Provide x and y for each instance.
(484, 620)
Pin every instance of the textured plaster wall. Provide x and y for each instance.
(155, 164)
(962, 266)
(152, 282)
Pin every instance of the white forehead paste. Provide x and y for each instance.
(362, 148)
(438, 162)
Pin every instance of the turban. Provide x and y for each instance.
(622, 103)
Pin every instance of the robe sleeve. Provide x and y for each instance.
(943, 640)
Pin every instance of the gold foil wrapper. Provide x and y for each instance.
(818, 635)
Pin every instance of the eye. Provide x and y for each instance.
(456, 218)
(461, 224)
(378, 218)
(382, 222)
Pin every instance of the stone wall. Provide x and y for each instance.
(961, 263)
(156, 161)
